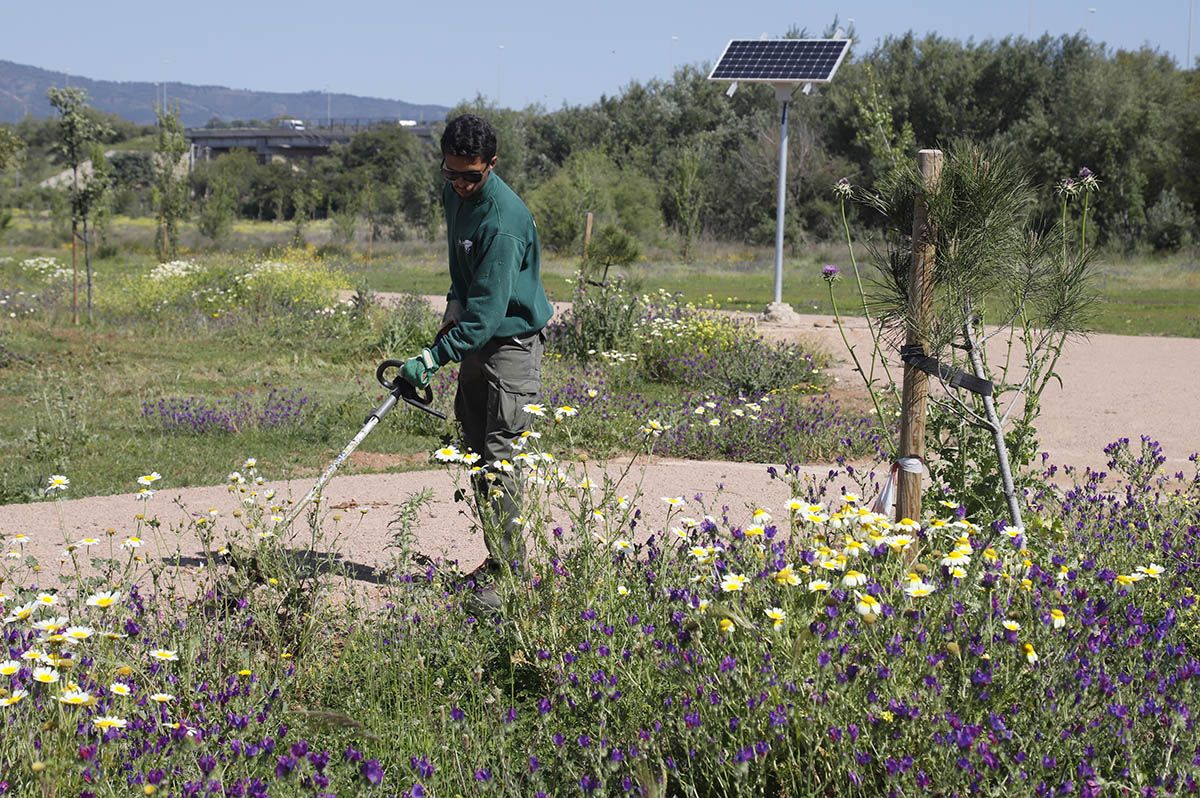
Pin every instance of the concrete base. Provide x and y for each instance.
(781, 313)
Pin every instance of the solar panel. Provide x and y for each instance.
(780, 60)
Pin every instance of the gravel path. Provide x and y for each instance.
(1112, 386)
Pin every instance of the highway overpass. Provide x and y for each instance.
(273, 143)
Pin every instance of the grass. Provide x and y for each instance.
(90, 401)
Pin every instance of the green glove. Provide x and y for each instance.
(418, 371)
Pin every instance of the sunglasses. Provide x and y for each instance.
(468, 177)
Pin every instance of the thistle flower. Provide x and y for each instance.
(1067, 187)
(842, 188)
(1087, 180)
(829, 272)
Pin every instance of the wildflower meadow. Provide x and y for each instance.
(680, 644)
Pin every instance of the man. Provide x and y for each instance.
(495, 311)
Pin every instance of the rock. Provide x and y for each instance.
(781, 313)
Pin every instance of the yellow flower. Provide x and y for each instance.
(162, 698)
(106, 722)
(754, 530)
(786, 576)
(1030, 654)
(104, 599)
(725, 625)
(674, 501)
(120, 688)
(16, 696)
(819, 586)
(164, 655)
(1058, 618)
(731, 583)
(867, 605)
(1011, 625)
(75, 698)
(9, 667)
(776, 615)
(854, 579)
(45, 675)
(447, 454)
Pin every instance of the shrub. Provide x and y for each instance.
(681, 344)
(291, 283)
(602, 318)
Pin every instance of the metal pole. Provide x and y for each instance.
(780, 199)
(989, 408)
(1191, 6)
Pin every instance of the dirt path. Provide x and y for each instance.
(1112, 386)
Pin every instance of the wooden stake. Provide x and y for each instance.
(587, 232)
(920, 300)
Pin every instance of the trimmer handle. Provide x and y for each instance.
(406, 390)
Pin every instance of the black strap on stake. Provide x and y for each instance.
(914, 355)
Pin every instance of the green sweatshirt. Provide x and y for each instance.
(495, 269)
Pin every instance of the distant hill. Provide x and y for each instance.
(23, 90)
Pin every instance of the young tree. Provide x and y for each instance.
(215, 218)
(11, 147)
(170, 187)
(304, 201)
(687, 196)
(77, 131)
(994, 273)
(89, 203)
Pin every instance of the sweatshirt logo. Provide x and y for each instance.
(466, 245)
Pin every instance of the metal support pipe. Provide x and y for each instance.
(781, 198)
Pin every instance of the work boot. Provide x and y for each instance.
(484, 602)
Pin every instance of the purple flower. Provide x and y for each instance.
(830, 272)
(372, 771)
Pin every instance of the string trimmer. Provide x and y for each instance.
(399, 389)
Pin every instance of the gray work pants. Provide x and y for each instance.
(494, 384)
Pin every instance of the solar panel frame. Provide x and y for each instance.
(780, 60)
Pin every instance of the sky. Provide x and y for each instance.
(517, 52)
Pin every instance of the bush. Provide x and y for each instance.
(602, 318)
(590, 182)
(681, 344)
(291, 283)
(1170, 223)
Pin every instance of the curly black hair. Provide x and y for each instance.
(469, 136)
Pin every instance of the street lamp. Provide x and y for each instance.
(499, 63)
(671, 55)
